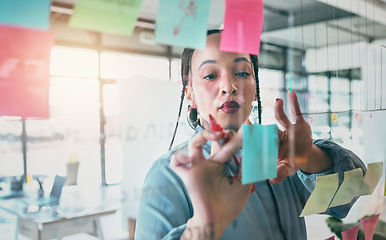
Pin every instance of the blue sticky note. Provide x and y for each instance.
(260, 152)
(182, 23)
(25, 13)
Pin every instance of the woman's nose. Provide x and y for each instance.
(228, 86)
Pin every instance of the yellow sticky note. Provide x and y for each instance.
(334, 117)
(372, 177)
(351, 186)
(355, 185)
(322, 195)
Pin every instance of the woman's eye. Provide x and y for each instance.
(210, 77)
(242, 74)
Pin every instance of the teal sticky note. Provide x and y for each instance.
(115, 17)
(260, 152)
(26, 13)
(182, 23)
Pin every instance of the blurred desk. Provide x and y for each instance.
(53, 222)
(40, 228)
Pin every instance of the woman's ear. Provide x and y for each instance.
(190, 96)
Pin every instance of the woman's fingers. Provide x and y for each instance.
(283, 171)
(179, 161)
(226, 152)
(280, 115)
(196, 143)
(295, 108)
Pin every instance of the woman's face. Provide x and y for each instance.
(222, 84)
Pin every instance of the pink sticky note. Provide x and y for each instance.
(330, 238)
(350, 234)
(24, 71)
(243, 24)
(368, 225)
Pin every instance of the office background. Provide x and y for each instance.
(332, 51)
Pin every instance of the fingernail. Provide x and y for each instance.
(277, 99)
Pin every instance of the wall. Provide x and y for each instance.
(149, 112)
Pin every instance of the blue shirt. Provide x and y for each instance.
(272, 211)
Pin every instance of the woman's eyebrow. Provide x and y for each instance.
(240, 59)
(206, 62)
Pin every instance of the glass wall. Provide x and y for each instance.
(72, 133)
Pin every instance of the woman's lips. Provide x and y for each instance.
(230, 106)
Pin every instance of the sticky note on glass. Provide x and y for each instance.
(355, 185)
(350, 234)
(372, 177)
(260, 152)
(351, 187)
(24, 71)
(25, 13)
(320, 198)
(182, 23)
(243, 25)
(368, 225)
(115, 17)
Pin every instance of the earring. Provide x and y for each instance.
(254, 112)
(193, 117)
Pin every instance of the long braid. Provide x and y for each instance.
(186, 58)
(184, 83)
(256, 70)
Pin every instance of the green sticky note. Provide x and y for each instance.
(260, 152)
(182, 23)
(351, 186)
(109, 16)
(320, 199)
(355, 185)
(371, 178)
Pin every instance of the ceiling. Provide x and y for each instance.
(309, 23)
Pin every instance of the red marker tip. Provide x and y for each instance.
(213, 124)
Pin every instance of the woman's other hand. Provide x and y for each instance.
(296, 150)
(217, 199)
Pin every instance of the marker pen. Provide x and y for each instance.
(231, 168)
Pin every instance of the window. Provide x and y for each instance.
(73, 126)
(121, 66)
(271, 81)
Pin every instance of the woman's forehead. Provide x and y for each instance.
(213, 52)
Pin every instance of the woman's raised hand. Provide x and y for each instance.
(217, 199)
(295, 142)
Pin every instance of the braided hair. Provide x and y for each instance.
(186, 67)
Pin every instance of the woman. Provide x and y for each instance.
(197, 200)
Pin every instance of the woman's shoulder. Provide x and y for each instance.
(165, 159)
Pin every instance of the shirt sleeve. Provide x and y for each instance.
(164, 207)
(343, 160)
